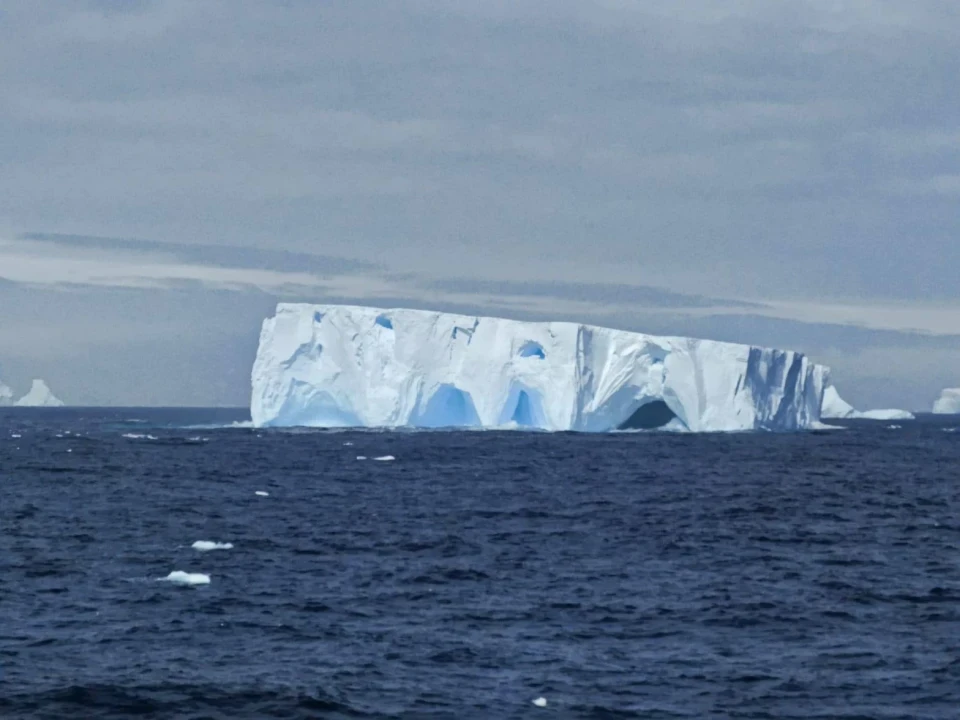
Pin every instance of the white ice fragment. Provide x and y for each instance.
(349, 366)
(385, 458)
(262, 493)
(179, 577)
(139, 436)
(540, 702)
(361, 457)
(208, 545)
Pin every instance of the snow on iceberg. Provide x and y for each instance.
(348, 366)
(948, 403)
(835, 407)
(39, 396)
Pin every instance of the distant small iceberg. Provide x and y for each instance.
(39, 396)
(835, 407)
(885, 415)
(948, 403)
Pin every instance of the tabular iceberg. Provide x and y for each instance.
(348, 366)
(948, 403)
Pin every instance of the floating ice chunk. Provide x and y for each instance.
(540, 702)
(262, 493)
(348, 443)
(894, 427)
(361, 457)
(207, 545)
(139, 436)
(16, 435)
(179, 577)
(385, 458)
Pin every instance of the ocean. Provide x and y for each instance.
(375, 574)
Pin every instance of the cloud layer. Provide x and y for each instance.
(689, 163)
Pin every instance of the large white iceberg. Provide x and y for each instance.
(948, 403)
(347, 366)
(39, 396)
(836, 408)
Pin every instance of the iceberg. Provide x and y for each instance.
(948, 403)
(39, 396)
(835, 407)
(6, 395)
(350, 366)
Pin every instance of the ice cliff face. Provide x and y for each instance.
(948, 403)
(39, 396)
(342, 366)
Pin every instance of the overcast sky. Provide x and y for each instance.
(784, 174)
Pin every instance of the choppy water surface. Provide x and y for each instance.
(615, 576)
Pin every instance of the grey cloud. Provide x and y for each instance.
(235, 257)
(601, 293)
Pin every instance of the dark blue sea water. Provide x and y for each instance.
(642, 575)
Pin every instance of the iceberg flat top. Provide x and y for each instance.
(341, 366)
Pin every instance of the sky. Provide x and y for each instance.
(782, 174)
